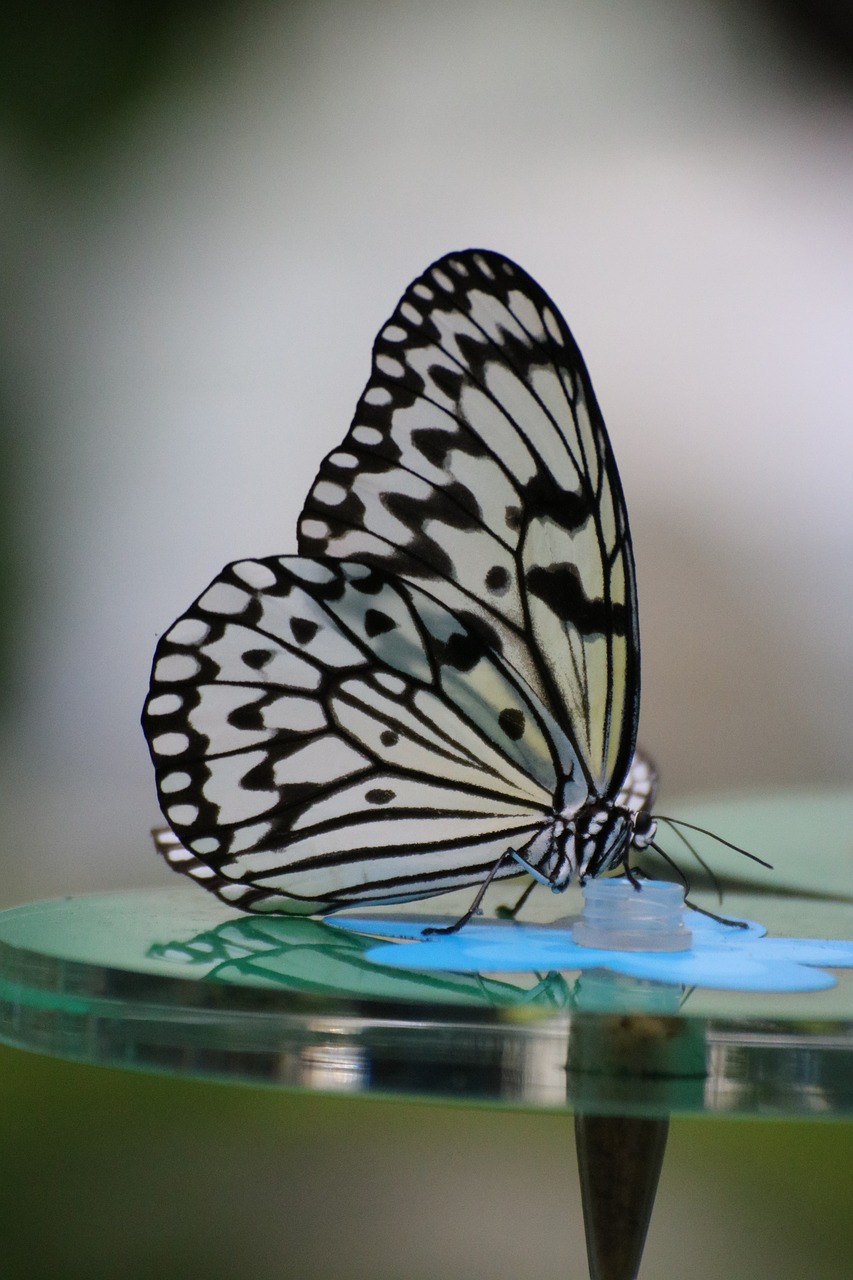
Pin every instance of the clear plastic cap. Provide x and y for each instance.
(620, 916)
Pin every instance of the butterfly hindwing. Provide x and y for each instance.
(325, 734)
(478, 465)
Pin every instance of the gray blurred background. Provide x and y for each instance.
(208, 211)
(208, 215)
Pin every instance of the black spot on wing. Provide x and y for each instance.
(389, 738)
(484, 632)
(436, 443)
(257, 658)
(543, 497)
(462, 651)
(377, 623)
(447, 380)
(560, 588)
(454, 505)
(247, 717)
(370, 584)
(331, 590)
(498, 580)
(292, 797)
(379, 795)
(303, 629)
(261, 777)
(511, 721)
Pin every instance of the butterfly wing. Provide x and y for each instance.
(637, 793)
(323, 734)
(478, 465)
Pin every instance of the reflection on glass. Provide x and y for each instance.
(333, 1068)
(750, 1070)
(307, 956)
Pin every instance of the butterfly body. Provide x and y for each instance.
(442, 688)
(585, 842)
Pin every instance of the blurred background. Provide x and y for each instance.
(207, 213)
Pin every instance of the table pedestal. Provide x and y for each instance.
(174, 981)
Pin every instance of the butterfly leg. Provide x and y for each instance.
(634, 875)
(510, 913)
(475, 905)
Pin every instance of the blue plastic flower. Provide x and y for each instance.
(721, 956)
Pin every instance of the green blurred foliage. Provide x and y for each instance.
(11, 554)
(69, 72)
(110, 1173)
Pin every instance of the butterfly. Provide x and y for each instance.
(442, 688)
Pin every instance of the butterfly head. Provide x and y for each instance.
(603, 834)
(585, 842)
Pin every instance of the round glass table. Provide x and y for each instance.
(174, 981)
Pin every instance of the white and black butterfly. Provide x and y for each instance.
(443, 687)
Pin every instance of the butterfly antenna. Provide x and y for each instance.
(679, 822)
(712, 876)
(703, 911)
(672, 863)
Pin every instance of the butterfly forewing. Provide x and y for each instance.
(478, 465)
(323, 734)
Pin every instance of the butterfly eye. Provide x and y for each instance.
(644, 830)
(643, 824)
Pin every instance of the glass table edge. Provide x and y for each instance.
(709, 1067)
